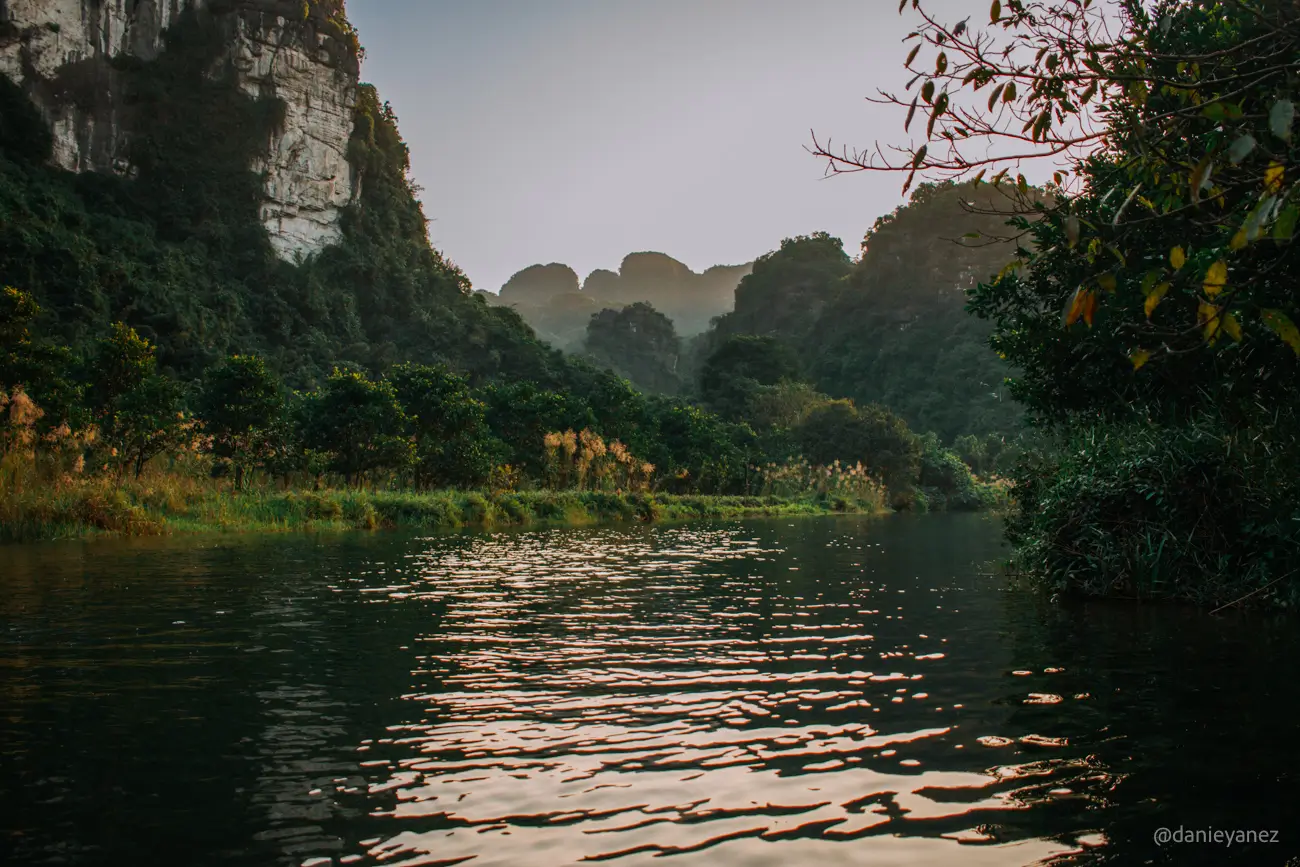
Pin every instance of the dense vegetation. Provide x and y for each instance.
(890, 327)
(176, 250)
(1151, 310)
(156, 342)
(638, 342)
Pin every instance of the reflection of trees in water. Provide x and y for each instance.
(332, 666)
(1183, 719)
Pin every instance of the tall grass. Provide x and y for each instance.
(64, 484)
(159, 503)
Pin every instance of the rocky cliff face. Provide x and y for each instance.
(66, 53)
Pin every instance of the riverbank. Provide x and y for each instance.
(188, 506)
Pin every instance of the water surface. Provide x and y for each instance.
(838, 691)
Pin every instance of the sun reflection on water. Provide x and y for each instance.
(618, 698)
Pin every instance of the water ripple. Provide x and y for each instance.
(614, 698)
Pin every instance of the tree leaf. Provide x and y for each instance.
(911, 113)
(1200, 178)
(1258, 216)
(927, 91)
(1238, 241)
(1208, 316)
(995, 11)
(1078, 305)
(1072, 230)
(1286, 222)
(1154, 297)
(1283, 327)
(941, 64)
(1231, 326)
(996, 95)
(1241, 149)
(1009, 94)
(1107, 282)
(919, 157)
(1149, 281)
(1280, 118)
(911, 55)
(1273, 176)
(1216, 278)
(1139, 358)
(1177, 258)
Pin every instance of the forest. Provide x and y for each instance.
(153, 341)
(1114, 351)
(1148, 313)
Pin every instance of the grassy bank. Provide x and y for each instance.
(172, 505)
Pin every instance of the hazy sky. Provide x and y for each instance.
(578, 131)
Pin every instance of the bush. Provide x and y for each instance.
(1197, 512)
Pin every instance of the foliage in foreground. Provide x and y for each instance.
(1150, 312)
(1199, 511)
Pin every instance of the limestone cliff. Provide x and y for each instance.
(67, 55)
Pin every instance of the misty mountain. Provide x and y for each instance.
(551, 300)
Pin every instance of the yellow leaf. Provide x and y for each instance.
(1216, 278)
(1090, 308)
(1283, 327)
(1084, 303)
(1231, 326)
(1154, 297)
(1139, 358)
(1076, 306)
(1238, 240)
(1273, 176)
(1208, 315)
(1177, 258)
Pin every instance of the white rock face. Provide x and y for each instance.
(308, 178)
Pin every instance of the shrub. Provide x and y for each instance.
(1196, 511)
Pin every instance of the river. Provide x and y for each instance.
(838, 691)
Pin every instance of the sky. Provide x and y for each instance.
(579, 131)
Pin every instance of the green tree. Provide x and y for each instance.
(447, 423)
(139, 411)
(788, 288)
(974, 453)
(695, 450)
(122, 361)
(520, 414)
(943, 472)
(734, 372)
(621, 412)
(359, 424)
(1169, 232)
(45, 371)
(639, 342)
(872, 435)
(146, 421)
(1151, 308)
(240, 402)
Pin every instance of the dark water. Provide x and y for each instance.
(829, 692)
